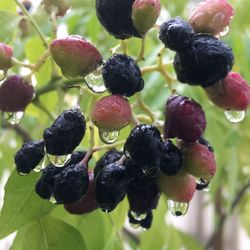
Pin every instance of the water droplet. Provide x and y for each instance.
(224, 32)
(108, 137)
(3, 74)
(13, 117)
(149, 171)
(94, 81)
(138, 216)
(202, 184)
(235, 116)
(135, 226)
(52, 199)
(177, 208)
(22, 174)
(40, 166)
(59, 160)
(106, 210)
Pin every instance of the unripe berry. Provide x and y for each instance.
(145, 14)
(6, 53)
(111, 113)
(75, 56)
(211, 16)
(231, 93)
(59, 6)
(15, 94)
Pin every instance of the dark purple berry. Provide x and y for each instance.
(122, 76)
(133, 171)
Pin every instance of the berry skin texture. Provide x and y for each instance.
(185, 119)
(29, 156)
(115, 17)
(122, 76)
(145, 14)
(88, 203)
(211, 16)
(206, 62)
(180, 187)
(60, 6)
(199, 160)
(111, 113)
(176, 34)
(66, 133)
(111, 186)
(75, 56)
(6, 53)
(15, 94)
(231, 93)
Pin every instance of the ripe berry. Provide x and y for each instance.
(6, 53)
(180, 187)
(185, 119)
(66, 133)
(88, 203)
(171, 158)
(29, 156)
(109, 157)
(133, 171)
(59, 6)
(115, 16)
(145, 14)
(122, 76)
(231, 93)
(207, 61)
(15, 94)
(75, 56)
(111, 113)
(176, 34)
(142, 146)
(111, 186)
(199, 160)
(211, 16)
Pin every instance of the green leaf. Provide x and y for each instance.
(21, 204)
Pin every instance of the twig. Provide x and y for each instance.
(19, 130)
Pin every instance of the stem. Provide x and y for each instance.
(142, 50)
(53, 18)
(15, 61)
(108, 146)
(114, 49)
(91, 145)
(39, 105)
(124, 45)
(33, 22)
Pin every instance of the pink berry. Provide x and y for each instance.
(211, 16)
(6, 53)
(111, 113)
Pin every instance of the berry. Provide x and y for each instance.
(176, 34)
(66, 133)
(6, 53)
(145, 14)
(122, 76)
(29, 156)
(199, 160)
(75, 56)
(88, 203)
(142, 146)
(60, 6)
(171, 158)
(207, 61)
(71, 184)
(185, 119)
(180, 187)
(15, 94)
(111, 113)
(115, 17)
(211, 16)
(231, 93)
(109, 157)
(133, 171)
(111, 186)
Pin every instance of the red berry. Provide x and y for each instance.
(15, 94)
(111, 113)
(6, 53)
(75, 56)
(231, 93)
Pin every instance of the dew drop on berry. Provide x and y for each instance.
(40, 166)
(95, 82)
(13, 117)
(135, 226)
(177, 208)
(202, 184)
(138, 216)
(22, 174)
(108, 137)
(59, 160)
(224, 32)
(235, 116)
(52, 199)
(3, 74)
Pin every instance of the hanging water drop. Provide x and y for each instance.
(22, 174)
(224, 32)
(3, 74)
(135, 226)
(40, 166)
(52, 199)
(177, 208)
(13, 117)
(108, 137)
(138, 216)
(59, 160)
(202, 184)
(94, 81)
(235, 116)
